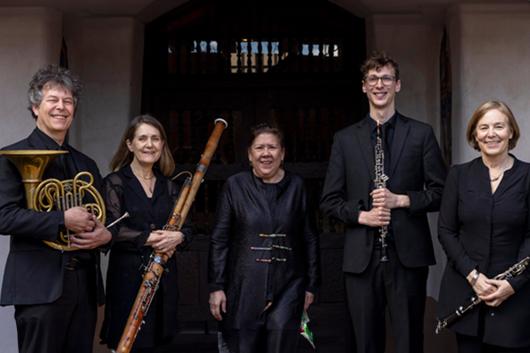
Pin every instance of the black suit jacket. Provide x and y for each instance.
(34, 271)
(417, 169)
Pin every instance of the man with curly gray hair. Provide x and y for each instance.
(55, 293)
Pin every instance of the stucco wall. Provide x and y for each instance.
(413, 40)
(491, 56)
(107, 54)
(29, 39)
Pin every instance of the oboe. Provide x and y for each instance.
(155, 268)
(380, 183)
(450, 319)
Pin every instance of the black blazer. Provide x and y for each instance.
(417, 169)
(34, 271)
(490, 232)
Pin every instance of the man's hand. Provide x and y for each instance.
(217, 303)
(93, 239)
(376, 217)
(79, 220)
(387, 199)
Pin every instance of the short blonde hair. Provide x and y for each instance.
(481, 111)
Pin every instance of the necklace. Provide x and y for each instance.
(147, 182)
(503, 169)
(496, 178)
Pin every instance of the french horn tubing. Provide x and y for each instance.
(54, 194)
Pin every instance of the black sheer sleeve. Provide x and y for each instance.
(114, 201)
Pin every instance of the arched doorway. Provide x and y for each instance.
(294, 63)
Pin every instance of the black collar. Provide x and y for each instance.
(47, 142)
(391, 123)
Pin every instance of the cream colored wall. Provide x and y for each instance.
(413, 40)
(29, 39)
(491, 56)
(107, 53)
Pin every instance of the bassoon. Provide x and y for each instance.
(155, 267)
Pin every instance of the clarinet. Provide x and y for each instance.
(155, 268)
(380, 183)
(472, 302)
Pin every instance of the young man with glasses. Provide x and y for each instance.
(385, 173)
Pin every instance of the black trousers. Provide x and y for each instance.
(390, 285)
(64, 326)
(472, 344)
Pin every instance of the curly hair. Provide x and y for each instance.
(52, 76)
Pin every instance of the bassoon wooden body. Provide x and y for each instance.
(155, 268)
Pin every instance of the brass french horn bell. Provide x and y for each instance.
(54, 194)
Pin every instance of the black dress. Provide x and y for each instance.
(263, 252)
(129, 254)
(490, 232)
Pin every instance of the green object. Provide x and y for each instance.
(305, 331)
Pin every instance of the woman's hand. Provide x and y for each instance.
(217, 303)
(165, 241)
(503, 290)
(309, 298)
(481, 285)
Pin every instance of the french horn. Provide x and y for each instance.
(53, 194)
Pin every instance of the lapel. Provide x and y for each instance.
(362, 133)
(401, 131)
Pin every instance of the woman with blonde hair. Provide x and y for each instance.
(484, 228)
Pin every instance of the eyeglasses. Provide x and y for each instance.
(372, 80)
